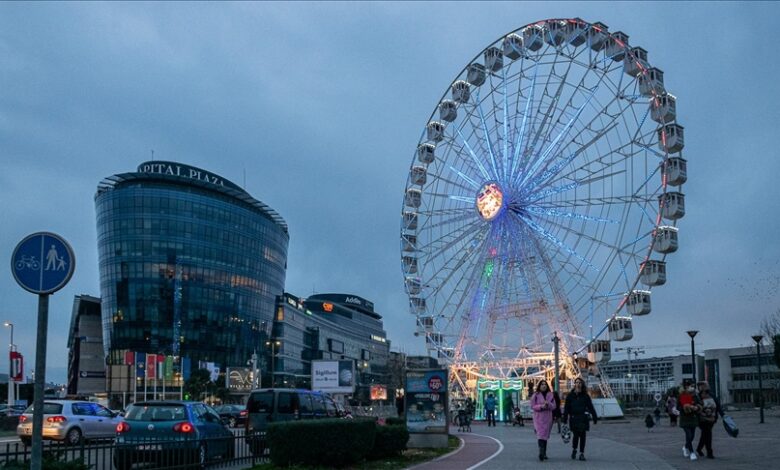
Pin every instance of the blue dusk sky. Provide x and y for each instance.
(321, 106)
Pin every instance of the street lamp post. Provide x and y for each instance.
(273, 345)
(11, 397)
(692, 334)
(253, 361)
(757, 339)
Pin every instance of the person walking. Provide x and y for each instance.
(576, 414)
(671, 408)
(543, 404)
(710, 409)
(690, 407)
(490, 410)
(509, 409)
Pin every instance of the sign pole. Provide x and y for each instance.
(40, 381)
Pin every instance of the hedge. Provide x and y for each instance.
(334, 442)
(390, 441)
(393, 421)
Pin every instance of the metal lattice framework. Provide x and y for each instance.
(535, 200)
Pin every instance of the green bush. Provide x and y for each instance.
(329, 442)
(51, 461)
(8, 423)
(390, 441)
(393, 421)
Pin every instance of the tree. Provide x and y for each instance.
(197, 384)
(770, 327)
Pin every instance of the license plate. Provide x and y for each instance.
(149, 447)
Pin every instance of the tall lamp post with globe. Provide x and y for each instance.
(757, 339)
(11, 397)
(274, 346)
(692, 334)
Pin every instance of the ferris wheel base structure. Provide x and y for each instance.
(542, 202)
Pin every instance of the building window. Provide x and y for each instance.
(687, 368)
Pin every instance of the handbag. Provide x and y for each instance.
(730, 426)
(565, 434)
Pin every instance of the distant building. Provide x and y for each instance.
(733, 374)
(649, 375)
(190, 265)
(326, 326)
(86, 357)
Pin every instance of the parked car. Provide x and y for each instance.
(70, 421)
(275, 405)
(233, 415)
(171, 433)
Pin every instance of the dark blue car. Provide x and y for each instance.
(171, 433)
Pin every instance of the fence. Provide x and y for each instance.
(219, 452)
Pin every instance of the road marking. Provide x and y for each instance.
(500, 449)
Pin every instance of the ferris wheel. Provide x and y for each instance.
(542, 200)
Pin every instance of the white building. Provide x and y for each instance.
(733, 374)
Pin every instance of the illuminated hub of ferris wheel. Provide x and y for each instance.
(542, 198)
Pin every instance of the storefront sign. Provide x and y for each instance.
(333, 376)
(426, 401)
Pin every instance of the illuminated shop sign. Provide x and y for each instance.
(378, 338)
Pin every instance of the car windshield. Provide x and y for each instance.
(48, 409)
(156, 412)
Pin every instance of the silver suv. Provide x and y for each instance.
(70, 421)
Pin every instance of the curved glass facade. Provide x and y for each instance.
(189, 266)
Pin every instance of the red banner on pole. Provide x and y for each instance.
(151, 366)
(129, 358)
(17, 366)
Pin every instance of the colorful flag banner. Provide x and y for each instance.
(140, 364)
(186, 368)
(151, 366)
(17, 366)
(168, 367)
(129, 358)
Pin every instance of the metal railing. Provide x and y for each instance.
(120, 454)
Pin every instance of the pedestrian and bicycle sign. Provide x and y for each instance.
(43, 263)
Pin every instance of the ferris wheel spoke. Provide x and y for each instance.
(550, 109)
(553, 239)
(554, 144)
(461, 232)
(464, 177)
(486, 137)
(566, 215)
(597, 240)
(473, 155)
(598, 201)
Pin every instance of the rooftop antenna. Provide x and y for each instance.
(152, 154)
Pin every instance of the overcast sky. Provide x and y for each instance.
(321, 107)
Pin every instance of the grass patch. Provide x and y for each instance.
(407, 458)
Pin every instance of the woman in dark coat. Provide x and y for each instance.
(575, 412)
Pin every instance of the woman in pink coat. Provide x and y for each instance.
(543, 404)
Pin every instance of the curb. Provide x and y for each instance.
(441, 457)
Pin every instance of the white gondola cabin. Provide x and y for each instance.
(532, 38)
(413, 285)
(426, 322)
(671, 138)
(652, 82)
(410, 220)
(636, 61)
(577, 32)
(638, 302)
(665, 239)
(417, 305)
(599, 351)
(418, 175)
(555, 32)
(409, 242)
(461, 91)
(617, 45)
(676, 171)
(653, 273)
(413, 197)
(476, 74)
(494, 59)
(432, 340)
(410, 264)
(513, 46)
(448, 110)
(435, 131)
(663, 108)
(426, 153)
(672, 205)
(597, 35)
(620, 329)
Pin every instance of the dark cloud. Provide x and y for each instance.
(321, 106)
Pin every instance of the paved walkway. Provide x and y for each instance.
(518, 449)
(623, 444)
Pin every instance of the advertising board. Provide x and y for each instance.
(333, 376)
(426, 401)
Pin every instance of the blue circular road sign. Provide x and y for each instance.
(43, 263)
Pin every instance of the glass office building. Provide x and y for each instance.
(190, 264)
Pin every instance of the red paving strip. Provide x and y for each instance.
(474, 450)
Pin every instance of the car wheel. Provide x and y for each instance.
(232, 422)
(27, 441)
(73, 437)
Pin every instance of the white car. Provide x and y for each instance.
(70, 421)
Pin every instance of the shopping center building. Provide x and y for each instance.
(191, 265)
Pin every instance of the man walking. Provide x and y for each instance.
(490, 410)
